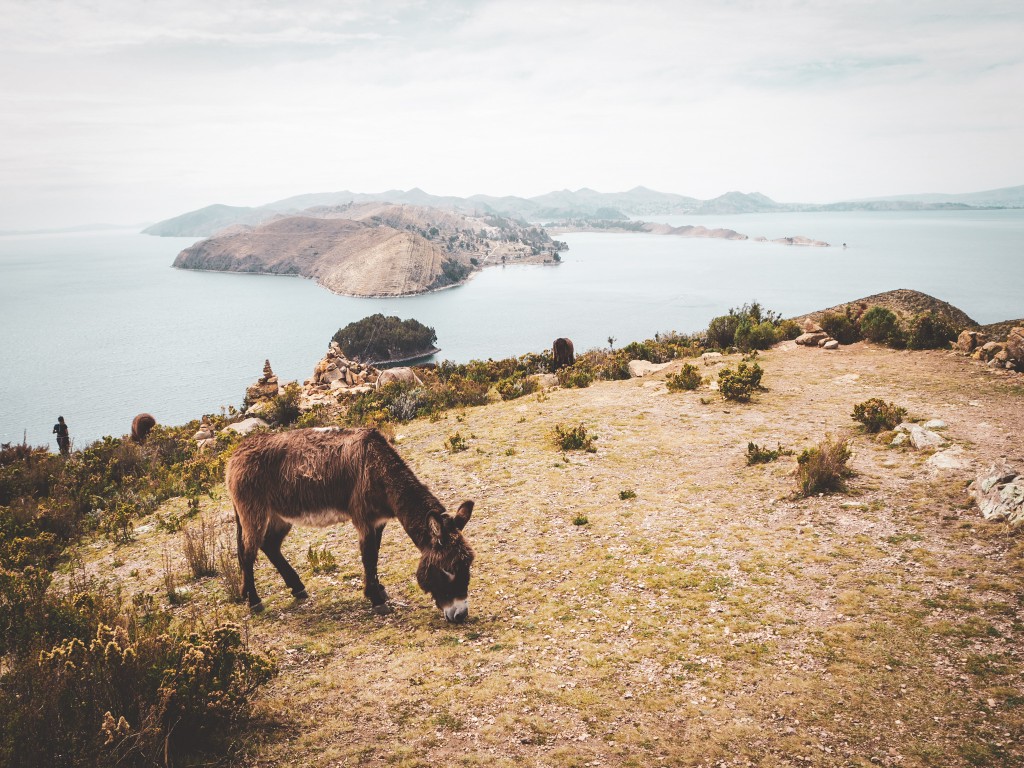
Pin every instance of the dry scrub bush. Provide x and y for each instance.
(199, 544)
(876, 414)
(823, 469)
(764, 455)
(739, 385)
(574, 439)
(321, 560)
(228, 570)
(687, 379)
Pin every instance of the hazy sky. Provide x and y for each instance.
(136, 111)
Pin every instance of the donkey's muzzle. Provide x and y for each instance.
(457, 612)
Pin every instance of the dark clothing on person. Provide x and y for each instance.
(60, 429)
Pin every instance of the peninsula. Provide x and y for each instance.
(373, 249)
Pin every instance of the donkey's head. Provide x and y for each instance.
(444, 564)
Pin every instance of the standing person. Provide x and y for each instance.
(60, 429)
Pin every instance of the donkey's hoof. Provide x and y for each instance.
(257, 609)
(301, 595)
(383, 609)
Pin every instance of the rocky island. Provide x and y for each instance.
(373, 249)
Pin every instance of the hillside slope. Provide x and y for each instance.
(905, 303)
(711, 620)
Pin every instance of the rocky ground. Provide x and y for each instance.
(714, 619)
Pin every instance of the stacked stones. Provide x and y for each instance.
(1008, 354)
(336, 377)
(259, 395)
(205, 436)
(814, 336)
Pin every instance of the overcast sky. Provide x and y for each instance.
(134, 111)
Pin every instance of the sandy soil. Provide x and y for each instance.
(713, 620)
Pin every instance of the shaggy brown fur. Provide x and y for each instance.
(141, 425)
(325, 476)
(562, 353)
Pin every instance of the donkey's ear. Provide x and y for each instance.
(463, 514)
(435, 527)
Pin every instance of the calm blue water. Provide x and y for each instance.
(98, 327)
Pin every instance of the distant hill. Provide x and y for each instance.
(565, 205)
(372, 249)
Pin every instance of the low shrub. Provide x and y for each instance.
(881, 326)
(455, 443)
(842, 328)
(740, 384)
(574, 439)
(764, 455)
(822, 468)
(930, 331)
(284, 408)
(627, 494)
(876, 414)
(688, 378)
(580, 519)
(199, 545)
(514, 387)
(580, 375)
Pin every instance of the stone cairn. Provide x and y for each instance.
(264, 390)
(205, 436)
(997, 354)
(814, 336)
(336, 378)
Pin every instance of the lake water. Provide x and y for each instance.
(98, 327)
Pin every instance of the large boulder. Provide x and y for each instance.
(999, 493)
(406, 375)
(1015, 347)
(988, 351)
(920, 437)
(968, 341)
(245, 426)
(811, 338)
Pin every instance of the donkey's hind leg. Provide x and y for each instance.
(272, 549)
(247, 550)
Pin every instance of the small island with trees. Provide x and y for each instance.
(381, 340)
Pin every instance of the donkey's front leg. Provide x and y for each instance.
(369, 546)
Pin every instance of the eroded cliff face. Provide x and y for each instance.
(372, 249)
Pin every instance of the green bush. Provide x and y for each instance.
(876, 414)
(574, 439)
(842, 328)
(688, 378)
(580, 374)
(627, 494)
(455, 443)
(722, 331)
(739, 385)
(284, 408)
(378, 338)
(881, 326)
(822, 469)
(930, 331)
(750, 335)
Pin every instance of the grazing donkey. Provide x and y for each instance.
(324, 476)
(141, 426)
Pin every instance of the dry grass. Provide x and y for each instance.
(712, 620)
(199, 545)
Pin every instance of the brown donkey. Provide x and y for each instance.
(324, 476)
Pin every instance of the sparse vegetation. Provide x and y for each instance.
(515, 387)
(455, 443)
(627, 494)
(877, 415)
(823, 468)
(199, 544)
(881, 326)
(749, 327)
(757, 454)
(574, 439)
(321, 559)
(284, 408)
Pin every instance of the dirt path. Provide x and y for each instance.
(712, 620)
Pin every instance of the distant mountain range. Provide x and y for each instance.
(555, 207)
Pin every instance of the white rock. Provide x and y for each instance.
(639, 368)
(934, 424)
(832, 344)
(951, 458)
(900, 439)
(245, 426)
